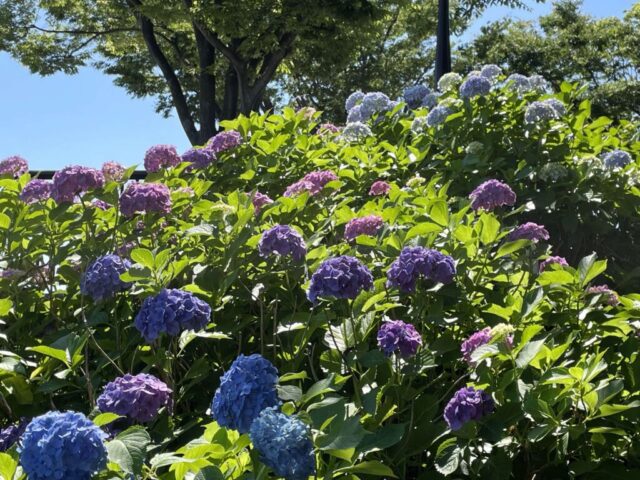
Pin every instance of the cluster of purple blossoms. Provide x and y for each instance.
(124, 249)
(467, 404)
(102, 277)
(224, 141)
(353, 100)
(171, 311)
(13, 166)
(519, 83)
(609, 296)
(10, 435)
(617, 159)
(74, 180)
(339, 277)
(199, 157)
(475, 86)
(160, 157)
(396, 336)
(416, 262)
(145, 198)
(529, 231)
(137, 397)
(282, 240)
(430, 101)
(479, 338)
(414, 95)
(101, 204)
(259, 200)
(328, 128)
(553, 260)
(438, 115)
(490, 72)
(368, 225)
(11, 274)
(312, 182)
(491, 195)
(379, 187)
(112, 171)
(36, 191)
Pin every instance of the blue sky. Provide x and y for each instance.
(85, 119)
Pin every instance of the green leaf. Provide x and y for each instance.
(528, 353)
(5, 306)
(511, 247)
(5, 221)
(614, 409)
(371, 467)
(489, 229)
(8, 466)
(423, 229)
(589, 268)
(448, 457)
(105, 418)
(144, 257)
(129, 449)
(440, 213)
(209, 473)
(382, 439)
(343, 435)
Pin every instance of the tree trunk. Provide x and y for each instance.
(230, 107)
(208, 109)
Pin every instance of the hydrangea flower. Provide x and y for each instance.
(552, 172)
(609, 296)
(224, 141)
(13, 166)
(617, 159)
(414, 95)
(170, 312)
(379, 188)
(419, 125)
(10, 435)
(328, 128)
(553, 260)
(259, 200)
(145, 198)
(529, 231)
(491, 72)
(124, 249)
(491, 195)
(246, 389)
(415, 181)
(374, 102)
(355, 115)
(160, 157)
(538, 112)
(102, 278)
(479, 338)
(467, 404)
(282, 240)
(339, 277)
(36, 191)
(62, 446)
(503, 331)
(101, 204)
(538, 83)
(396, 336)
(353, 100)
(74, 180)
(557, 105)
(199, 157)
(11, 274)
(416, 262)
(430, 100)
(312, 182)
(355, 132)
(475, 86)
(518, 82)
(112, 171)
(438, 115)
(284, 444)
(137, 397)
(449, 81)
(368, 225)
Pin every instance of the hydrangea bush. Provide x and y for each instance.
(415, 295)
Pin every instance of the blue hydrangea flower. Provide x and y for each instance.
(557, 105)
(170, 312)
(355, 132)
(245, 390)
(430, 100)
(11, 434)
(416, 262)
(438, 115)
(396, 336)
(538, 112)
(491, 72)
(374, 102)
(284, 444)
(414, 95)
(467, 404)
(282, 240)
(62, 446)
(518, 82)
(355, 115)
(617, 159)
(339, 277)
(475, 86)
(102, 278)
(354, 99)
(538, 83)
(419, 124)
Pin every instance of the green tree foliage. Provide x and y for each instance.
(569, 45)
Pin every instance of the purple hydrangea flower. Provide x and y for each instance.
(609, 296)
(529, 231)
(11, 274)
(430, 100)
(374, 102)
(467, 404)
(538, 83)
(13, 166)
(490, 72)
(551, 260)
(557, 105)
(353, 100)
(413, 95)
(112, 171)
(102, 277)
(259, 200)
(328, 128)
(282, 240)
(171, 311)
(368, 225)
(36, 191)
(339, 277)
(160, 157)
(491, 195)
(438, 115)
(416, 262)
(355, 131)
(72, 181)
(224, 141)
(617, 159)
(355, 115)
(101, 204)
(479, 338)
(124, 249)
(137, 397)
(396, 336)
(145, 198)
(11, 434)
(475, 86)
(538, 112)
(379, 187)
(199, 157)
(518, 82)
(312, 182)
(246, 389)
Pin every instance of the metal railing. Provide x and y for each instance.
(48, 174)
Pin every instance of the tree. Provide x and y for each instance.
(569, 45)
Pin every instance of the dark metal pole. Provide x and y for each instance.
(443, 47)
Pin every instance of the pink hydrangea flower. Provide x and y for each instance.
(145, 198)
(13, 166)
(259, 200)
(159, 157)
(379, 187)
(368, 225)
(71, 181)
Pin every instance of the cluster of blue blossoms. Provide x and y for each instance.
(467, 404)
(282, 240)
(419, 262)
(102, 278)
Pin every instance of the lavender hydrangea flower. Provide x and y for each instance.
(259, 200)
(36, 191)
(145, 198)
(467, 404)
(339, 277)
(11, 274)
(479, 338)
(374, 102)
(170, 312)
(475, 86)
(557, 105)
(13, 166)
(379, 188)
(491, 72)
(10, 435)
(438, 115)
(102, 277)
(538, 83)
(224, 141)
(74, 180)
(609, 296)
(355, 115)
(419, 125)
(160, 157)
(518, 82)
(282, 240)
(246, 389)
(553, 260)
(353, 100)
(137, 397)
(538, 112)
(396, 336)
(430, 100)
(355, 132)
(312, 182)
(414, 95)
(328, 129)
(368, 225)
(199, 157)
(529, 231)
(617, 159)
(112, 171)
(62, 445)
(284, 443)
(416, 262)
(449, 81)
(491, 195)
